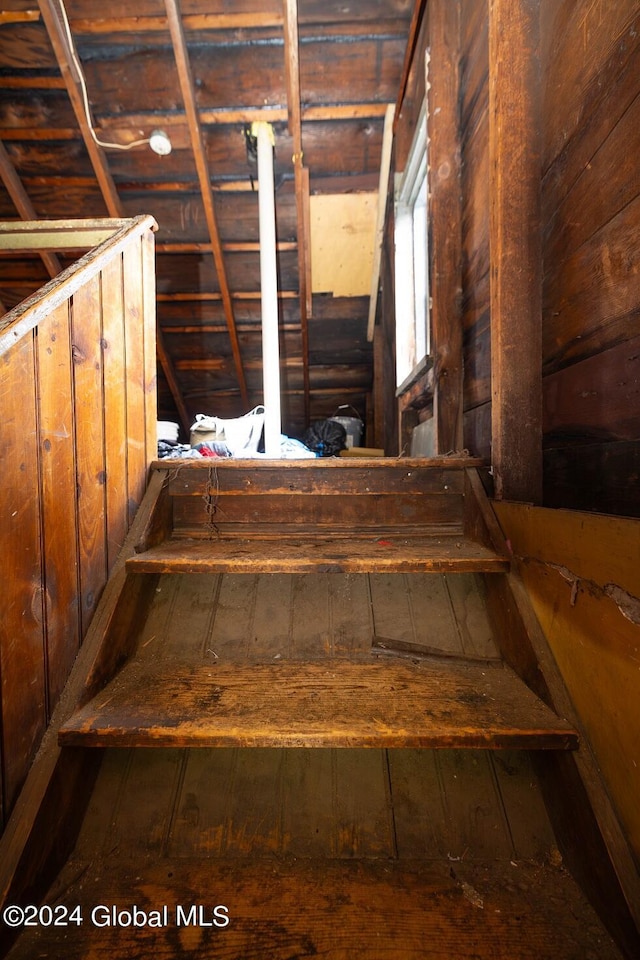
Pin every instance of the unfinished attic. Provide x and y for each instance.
(379, 704)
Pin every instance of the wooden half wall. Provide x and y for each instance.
(77, 433)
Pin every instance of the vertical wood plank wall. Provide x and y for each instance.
(77, 432)
(590, 69)
(591, 285)
(590, 138)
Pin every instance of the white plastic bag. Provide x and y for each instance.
(241, 435)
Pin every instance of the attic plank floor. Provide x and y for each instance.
(341, 854)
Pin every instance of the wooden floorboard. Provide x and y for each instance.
(305, 555)
(364, 702)
(378, 910)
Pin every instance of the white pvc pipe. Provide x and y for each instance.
(269, 291)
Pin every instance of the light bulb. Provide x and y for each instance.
(160, 143)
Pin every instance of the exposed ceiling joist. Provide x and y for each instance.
(301, 174)
(189, 98)
(23, 205)
(65, 54)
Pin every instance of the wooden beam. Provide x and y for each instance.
(170, 375)
(33, 83)
(324, 25)
(383, 188)
(292, 68)
(66, 55)
(445, 217)
(414, 30)
(195, 21)
(205, 296)
(515, 249)
(19, 16)
(23, 205)
(187, 88)
(239, 246)
(29, 134)
(237, 115)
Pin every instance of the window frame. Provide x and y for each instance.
(411, 198)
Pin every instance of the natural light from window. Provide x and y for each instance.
(411, 260)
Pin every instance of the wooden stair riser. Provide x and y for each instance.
(322, 497)
(265, 514)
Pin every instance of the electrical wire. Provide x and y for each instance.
(85, 96)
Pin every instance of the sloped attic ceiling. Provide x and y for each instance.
(321, 71)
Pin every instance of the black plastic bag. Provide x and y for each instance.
(326, 438)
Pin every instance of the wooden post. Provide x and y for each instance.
(445, 214)
(515, 249)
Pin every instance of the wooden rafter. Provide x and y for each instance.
(301, 174)
(23, 205)
(189, 97)
(62, 47)
(169, 371)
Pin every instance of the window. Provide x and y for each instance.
(411, 260)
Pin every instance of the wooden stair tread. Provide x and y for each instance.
(319, 703)
(322, 554)
(365, 909)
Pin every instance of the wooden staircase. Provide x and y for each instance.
(300, 517)
(300, 607)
